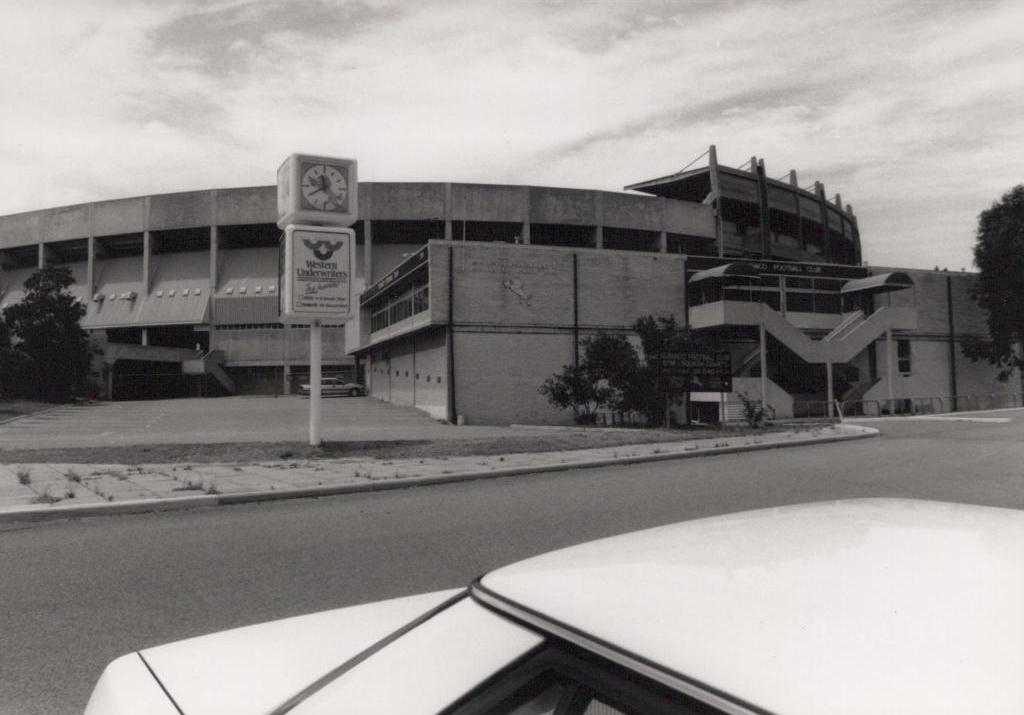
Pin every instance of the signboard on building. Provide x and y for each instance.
(786, 268)
(316, 274)
(697, 371)
(406, 267)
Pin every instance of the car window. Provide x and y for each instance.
(564, 680)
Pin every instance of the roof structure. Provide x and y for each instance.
(882, 283)
(843, 607)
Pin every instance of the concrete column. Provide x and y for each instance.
(889, 368)
(525, 235)
(662, 242)
(828, 380)
(147, 257)
(145, 336)
(762, 341)
(90, 267)
(448, 213)
(716, 189)
(41, 256)
(366, 201)
(146, 249)
(214, 239)
(599, 216)
(286, 375)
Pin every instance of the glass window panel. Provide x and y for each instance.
(800, 302)
(597, 707)
(826, 302)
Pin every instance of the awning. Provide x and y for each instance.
(882, 283)
(733, 270)
(120, 311)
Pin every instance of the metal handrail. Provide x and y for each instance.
(909, 405)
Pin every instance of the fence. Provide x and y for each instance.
(909, 405)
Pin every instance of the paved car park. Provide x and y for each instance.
(227, 419)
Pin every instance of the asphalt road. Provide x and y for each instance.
(76, 594)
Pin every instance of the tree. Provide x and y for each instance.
(653, 392)
(607, 370)
(47, 335)
(999, 255)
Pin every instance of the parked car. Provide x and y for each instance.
(880, 606)
(335, 387)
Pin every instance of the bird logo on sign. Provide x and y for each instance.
(322, 249)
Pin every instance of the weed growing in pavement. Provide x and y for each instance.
(212, 489)
(187, 468)
(110, 498)
(189, 486)
(287, 454)
(72, 476)
(45, 498)
(69, 493)
(24, 476)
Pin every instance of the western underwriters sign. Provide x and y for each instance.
(316, 274)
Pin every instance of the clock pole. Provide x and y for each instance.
(317, 203)
(315, 362)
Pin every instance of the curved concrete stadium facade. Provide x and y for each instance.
(472, 294)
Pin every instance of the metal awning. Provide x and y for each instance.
(882, 283)
(727, 270)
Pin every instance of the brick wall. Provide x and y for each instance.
(497, 376)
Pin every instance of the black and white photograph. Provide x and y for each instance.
(511, 357)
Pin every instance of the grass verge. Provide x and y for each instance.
(249, 452)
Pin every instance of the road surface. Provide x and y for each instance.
(76, 594)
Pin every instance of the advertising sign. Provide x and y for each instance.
(697, 371)
(316, 274)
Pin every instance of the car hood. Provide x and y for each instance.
(256, 668)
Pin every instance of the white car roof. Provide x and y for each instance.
(852, 606)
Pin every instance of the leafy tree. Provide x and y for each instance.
(607, 369)
(999, 255)
(13, 364)
(47, 335)
(612, 375)
(653, 392)
(575, 388)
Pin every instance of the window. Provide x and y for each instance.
(903, 356)
(566, 680)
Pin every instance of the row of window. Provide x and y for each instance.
(398, 373)
(414, 301)
(796, 301)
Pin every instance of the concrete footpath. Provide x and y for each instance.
(30, 492)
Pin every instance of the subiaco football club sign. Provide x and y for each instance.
(317, 265)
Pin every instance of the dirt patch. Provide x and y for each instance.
(249, 452)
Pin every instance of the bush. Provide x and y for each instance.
(753, 411)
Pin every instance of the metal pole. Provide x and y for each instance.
(762, 340)
(828, 379)
(315, 361)
(889, 369)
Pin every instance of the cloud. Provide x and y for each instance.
(901, 107)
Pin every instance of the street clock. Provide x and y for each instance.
(317, 191)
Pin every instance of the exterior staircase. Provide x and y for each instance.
(210, 363)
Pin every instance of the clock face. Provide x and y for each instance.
(325, 187)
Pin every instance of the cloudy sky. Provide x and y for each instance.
(912, 111)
